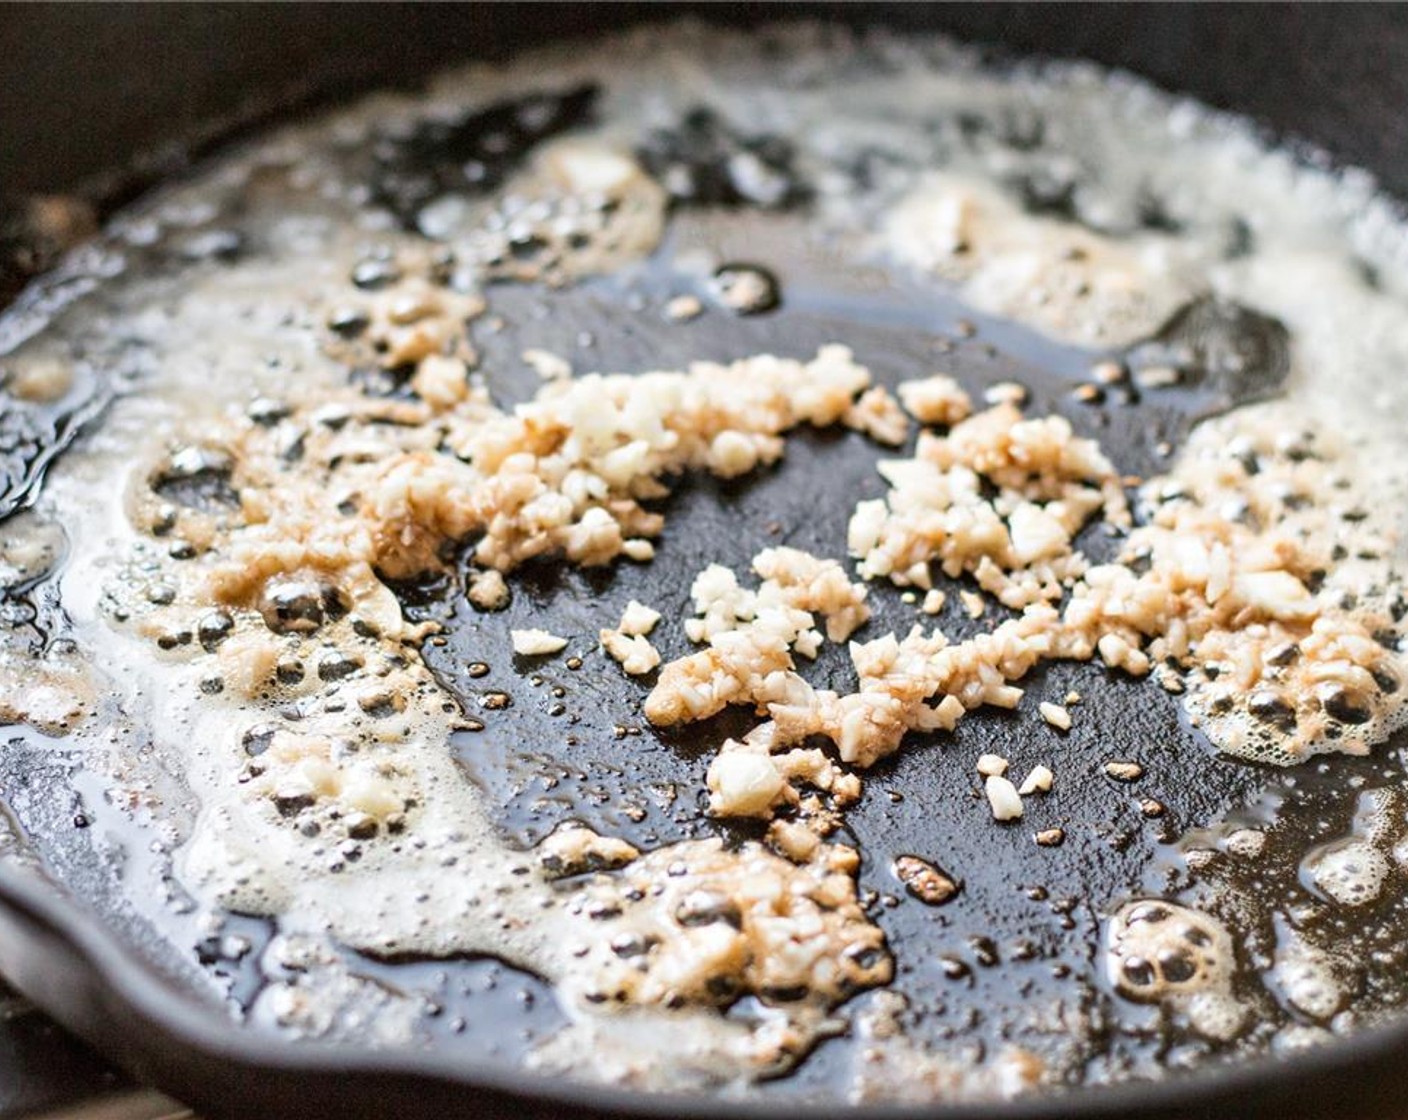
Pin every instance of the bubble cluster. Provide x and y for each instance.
(1160, 952)
(1349, 872)
(1307, 978)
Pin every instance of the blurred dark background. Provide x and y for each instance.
(85, 86)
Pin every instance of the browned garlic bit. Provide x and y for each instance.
(319, 768)
(1038, 781)
(925, 881)
(1006, 392)
(416, 323)
(713, 925)
(1124, 771)
(1057, 716)
(39, 381)
(1267, 585)
(681, 309)
(938, 400)
(752, 635)
(548, 366)
(51, 695)
(1003, 799)
(879, 416)
(638, 619)
(634, 651)
(574, 849)
(488, 590)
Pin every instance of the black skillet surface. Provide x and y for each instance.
(83, 972)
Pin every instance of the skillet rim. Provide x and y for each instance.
(117, 974)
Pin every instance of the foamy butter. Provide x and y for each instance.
(1160, 952)
(1354, 870)
(1060, 277)
(1308, 977)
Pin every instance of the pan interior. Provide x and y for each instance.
(1018, 960)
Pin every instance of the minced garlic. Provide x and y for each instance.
(937, 400)
(1057, 716)
(634, 651)
(535, 643)
(638, 619)
(1003, 798)
(1038, 781)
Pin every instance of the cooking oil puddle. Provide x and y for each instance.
(1299, 904)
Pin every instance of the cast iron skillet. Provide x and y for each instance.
(111, 986)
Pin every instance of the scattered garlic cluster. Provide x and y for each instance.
(1215, 590)
(752, 635)
(1017, 544)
